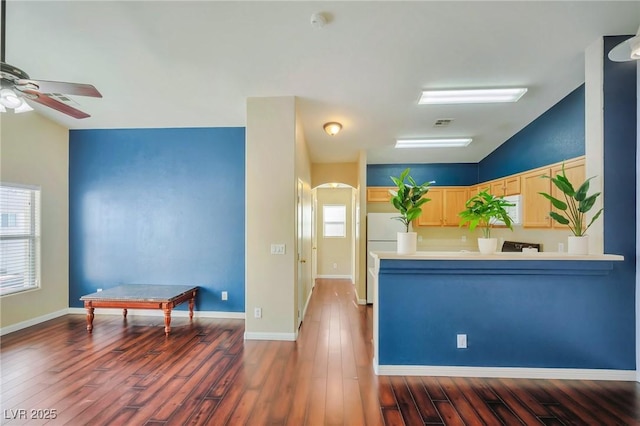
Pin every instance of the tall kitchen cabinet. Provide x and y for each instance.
(536, 208)
(443, 209)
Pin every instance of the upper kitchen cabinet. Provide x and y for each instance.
(443, 209)
(377, 194)
(507, 186)
(574, 170)
(535, 209)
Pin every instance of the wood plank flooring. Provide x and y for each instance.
(206, 374)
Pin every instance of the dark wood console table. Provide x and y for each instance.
(141, 296)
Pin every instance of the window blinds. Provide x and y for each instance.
(19, 238)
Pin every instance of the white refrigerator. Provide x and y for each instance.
(382, 235)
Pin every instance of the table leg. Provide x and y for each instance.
(90, 318)
(124, 313)
(192, 302)
(167, 320)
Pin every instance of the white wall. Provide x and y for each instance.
(335, 258)
(276, 157)
(35, 151)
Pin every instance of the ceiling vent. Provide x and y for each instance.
(442, 122)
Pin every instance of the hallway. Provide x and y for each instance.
(205, 373)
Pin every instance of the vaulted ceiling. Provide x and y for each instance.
(194, 64)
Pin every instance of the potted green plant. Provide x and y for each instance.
(572, 210)
(485, 210)
(408, 199)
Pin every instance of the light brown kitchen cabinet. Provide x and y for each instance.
(575, 172)
(506, 186)
(535, 209)
(379, 194)
(432, 210)
(443, 209)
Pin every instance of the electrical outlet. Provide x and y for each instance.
(464, 238)
(462, 341)
(225, 295)
(257, 312)
(335, 266)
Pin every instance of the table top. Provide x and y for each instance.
(143, 292)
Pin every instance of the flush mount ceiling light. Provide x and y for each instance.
(332, 128)
(471, 96)
(628, 50)
(433, 143)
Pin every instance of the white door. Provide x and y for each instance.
(300, 254)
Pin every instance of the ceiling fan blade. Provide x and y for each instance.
(57, 105)
(60, 87)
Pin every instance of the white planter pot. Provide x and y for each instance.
(407, 242)
(578, 245)
(487, 245)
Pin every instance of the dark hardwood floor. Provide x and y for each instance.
(204, 373)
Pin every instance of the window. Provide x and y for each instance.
(333, 218)
(19, 238)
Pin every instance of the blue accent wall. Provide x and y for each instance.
(620, 145)
(531, 314)
(556, 135)
(454, 174)
(158, 206)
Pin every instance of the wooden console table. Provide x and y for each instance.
(141, 296)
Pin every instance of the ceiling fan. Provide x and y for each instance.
(16, 86)
(628, 50)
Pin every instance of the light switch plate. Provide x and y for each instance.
(462, 341)
(278, 249)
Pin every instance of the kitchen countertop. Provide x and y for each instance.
(474, 255)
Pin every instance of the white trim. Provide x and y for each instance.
(505, 372)
(306, 304)
(362, 301)
(346, 277)
(256, 335)
(160, 313)
(31, 322)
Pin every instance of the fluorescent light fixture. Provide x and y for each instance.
(433, 143)
(471, 96)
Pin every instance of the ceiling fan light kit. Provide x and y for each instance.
(628, 50)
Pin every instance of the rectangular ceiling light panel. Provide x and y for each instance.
(432, 143)
(471, 96)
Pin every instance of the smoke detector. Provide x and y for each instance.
(318, 20)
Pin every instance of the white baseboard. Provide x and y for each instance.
(289, 337)
(506, 372)
(341, 277)
(34, 321)
(160, 313)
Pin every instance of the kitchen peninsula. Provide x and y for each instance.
(544, 314)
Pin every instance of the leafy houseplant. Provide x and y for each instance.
(576, 203)
(408, 198)
(483, 210)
